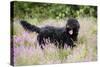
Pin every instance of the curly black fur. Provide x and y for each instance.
(58, 36)
(73, 24)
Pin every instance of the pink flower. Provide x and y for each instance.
(17, 39)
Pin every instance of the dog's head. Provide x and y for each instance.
(72, 24)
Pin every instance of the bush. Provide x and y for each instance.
(50, 10)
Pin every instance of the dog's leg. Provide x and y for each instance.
(70, 43)
(41, 41)
(61, 44)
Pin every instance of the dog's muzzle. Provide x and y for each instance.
(71, 32)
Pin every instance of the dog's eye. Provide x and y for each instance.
(71, 32)
(67, 26)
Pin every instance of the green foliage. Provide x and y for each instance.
(82, 40)
(94, 30)
(51, 10)
(63, 54)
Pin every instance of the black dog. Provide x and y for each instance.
(73, 24)
(58, 36)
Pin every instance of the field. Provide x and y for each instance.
(28, 52)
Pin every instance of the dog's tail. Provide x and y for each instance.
(29, 27)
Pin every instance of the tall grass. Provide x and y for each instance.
(28, 52)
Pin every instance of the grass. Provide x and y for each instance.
(28, 52)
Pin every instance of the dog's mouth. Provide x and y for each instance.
(70, 32)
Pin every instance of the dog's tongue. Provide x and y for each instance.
(71, 32)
